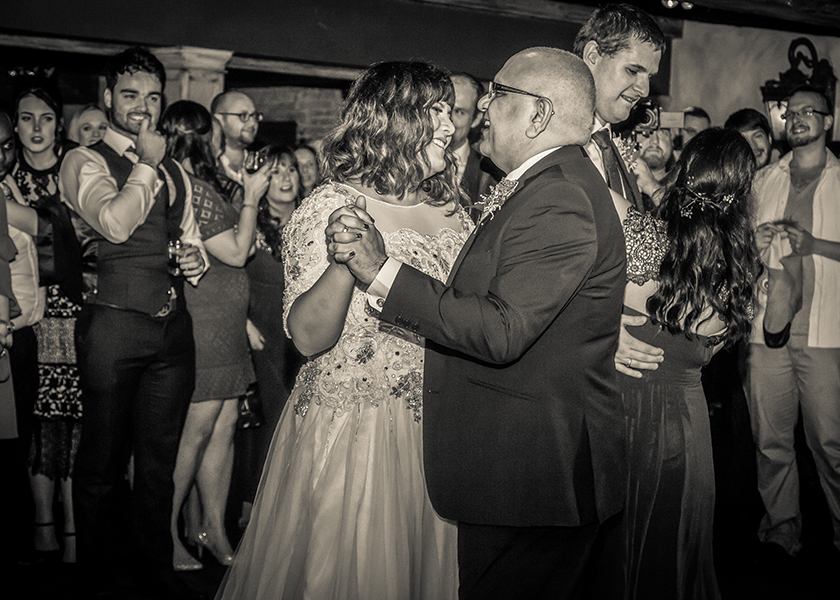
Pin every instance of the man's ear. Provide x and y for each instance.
(479, 115)
(107, 97)
(540, 119)
(829, 122)
(591, 53)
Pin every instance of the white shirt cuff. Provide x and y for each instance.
(377, 292)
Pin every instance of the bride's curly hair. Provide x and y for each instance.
(385, 128)
(712, 261)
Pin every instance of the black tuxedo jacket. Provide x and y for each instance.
(523, 423)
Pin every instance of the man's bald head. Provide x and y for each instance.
(224, 101)
(550, 102)
(567, 82)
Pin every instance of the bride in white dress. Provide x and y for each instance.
(342, 510)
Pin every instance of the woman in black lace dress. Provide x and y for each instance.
(58, 409)
(692, 268)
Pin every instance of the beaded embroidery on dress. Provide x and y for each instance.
(646, 242)
(342, 510)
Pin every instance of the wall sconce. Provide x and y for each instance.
(774, 92)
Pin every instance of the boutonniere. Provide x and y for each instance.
(627, 148)
(496, 197)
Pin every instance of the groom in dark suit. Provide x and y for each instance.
(524, 432)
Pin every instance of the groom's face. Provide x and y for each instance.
(505, 118)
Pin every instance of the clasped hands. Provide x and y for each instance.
(353, 240)
(801, 241)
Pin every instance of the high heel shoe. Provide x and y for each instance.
(182, 560)
(224, 558)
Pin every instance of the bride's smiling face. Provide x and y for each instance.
(284, 183)
(443, 129)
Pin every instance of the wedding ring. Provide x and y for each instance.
(630, 363)
(344, 230)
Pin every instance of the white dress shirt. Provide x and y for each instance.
(87, 186)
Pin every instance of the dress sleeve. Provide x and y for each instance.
(646, 241)
(305, 245)
(212, 214)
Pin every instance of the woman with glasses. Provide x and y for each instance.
(342, 510)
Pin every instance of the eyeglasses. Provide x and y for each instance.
(805, 112)
(245, 116)
(497, 89)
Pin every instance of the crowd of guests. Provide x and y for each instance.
(105, 223)
(506, 307)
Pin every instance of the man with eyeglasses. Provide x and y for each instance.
(240, 121)
(794, 362)
(523, 420)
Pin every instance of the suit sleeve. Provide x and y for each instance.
(545, 252)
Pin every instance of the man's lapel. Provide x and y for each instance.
(552, 159)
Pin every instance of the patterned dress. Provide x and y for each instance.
(218, 307)
(669, 510)
(342, 510)
(58, 409)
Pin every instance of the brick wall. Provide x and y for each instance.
(315, 110)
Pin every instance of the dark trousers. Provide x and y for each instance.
(137, 374)
(530, 563)
(14, 454)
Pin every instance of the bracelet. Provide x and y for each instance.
(244, 206)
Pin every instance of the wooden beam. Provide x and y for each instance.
(270, 65)
(36, 42)
(546, 9)
(265, 65)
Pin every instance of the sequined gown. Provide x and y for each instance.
(669, 510)
(342, 510)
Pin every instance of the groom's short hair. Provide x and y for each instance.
(614, 25)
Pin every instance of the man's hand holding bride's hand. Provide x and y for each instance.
(353, 240)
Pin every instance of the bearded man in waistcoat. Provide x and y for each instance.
(134, 338)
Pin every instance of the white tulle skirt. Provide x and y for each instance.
(342, 513)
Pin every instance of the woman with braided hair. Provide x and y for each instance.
(691, 268)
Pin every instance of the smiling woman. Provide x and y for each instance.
(342, 511)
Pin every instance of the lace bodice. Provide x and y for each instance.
(372, 360)
(646, 242)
